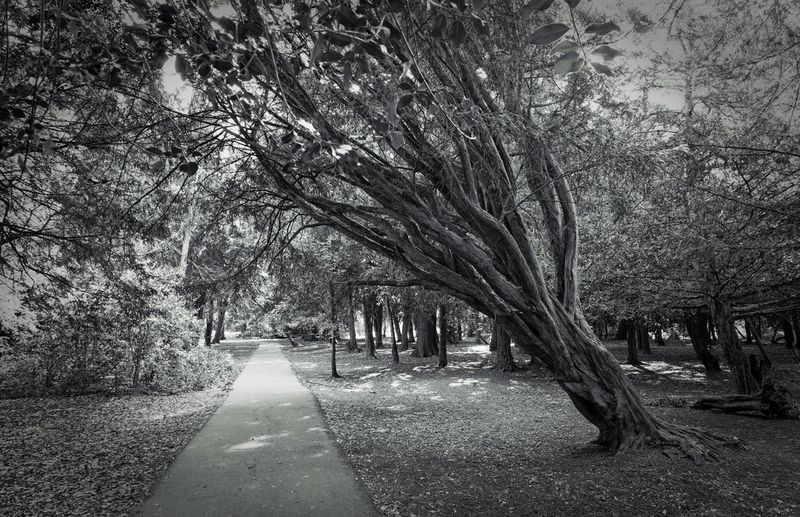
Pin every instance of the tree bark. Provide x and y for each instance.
(622, 329)
(222, 308)
(495, 336)
(740, 366)
(442, 362)
(697, 328)
(788, 331)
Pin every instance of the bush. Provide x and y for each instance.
(128, 332)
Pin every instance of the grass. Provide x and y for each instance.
(96, 455)
(467, 440)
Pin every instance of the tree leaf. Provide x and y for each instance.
(404, 101)
(534, 5)
(572, 3)
(391, 111)
(568, 63)
(566, 46)
(601, 29)
(603, 69)
(480, 26)
(606, 52)
(190, 168)
(549, 33)
(439, 26)
(396, 139)
(457, 33)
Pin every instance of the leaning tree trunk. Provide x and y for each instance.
(369, 343)
(740, 366)
(504, 361)
(443, 336)
(219, 333)
(454, 222)
(697, 327)
(209, 313)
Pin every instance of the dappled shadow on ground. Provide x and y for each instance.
(469, 440)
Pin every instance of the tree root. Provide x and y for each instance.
(771, 402)
(680, 441)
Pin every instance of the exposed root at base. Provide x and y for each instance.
(677, 441)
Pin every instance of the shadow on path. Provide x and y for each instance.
(266, 451)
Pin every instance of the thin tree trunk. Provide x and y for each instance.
(743, 377)
(659, 336)
(369, 343)
(442, 336)
(697, 328)
(643, 337)
(334, 330)
(222, 308)
(377, 322)
(633, 350)
(405, 330)
(352, 342)
(390, 310)
(209, 313)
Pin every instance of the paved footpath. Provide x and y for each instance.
(266, 452)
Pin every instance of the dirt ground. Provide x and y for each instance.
(468, 440)
(94, 454)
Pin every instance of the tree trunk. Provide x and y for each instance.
(425, 345)
(334, 331)
(622, 329)
(740, 366)
(390, 310)
(442, 336)
(659, 336)
(394, 319)
(495, 336)
(219, 333)
(369, 343)
(643, 337)
(377, 322)
(459, 332)
(405, 330)
(697, 328)
(209, 314)
(633, 351)
(504, 361)
(352, 342)
(188, 225)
